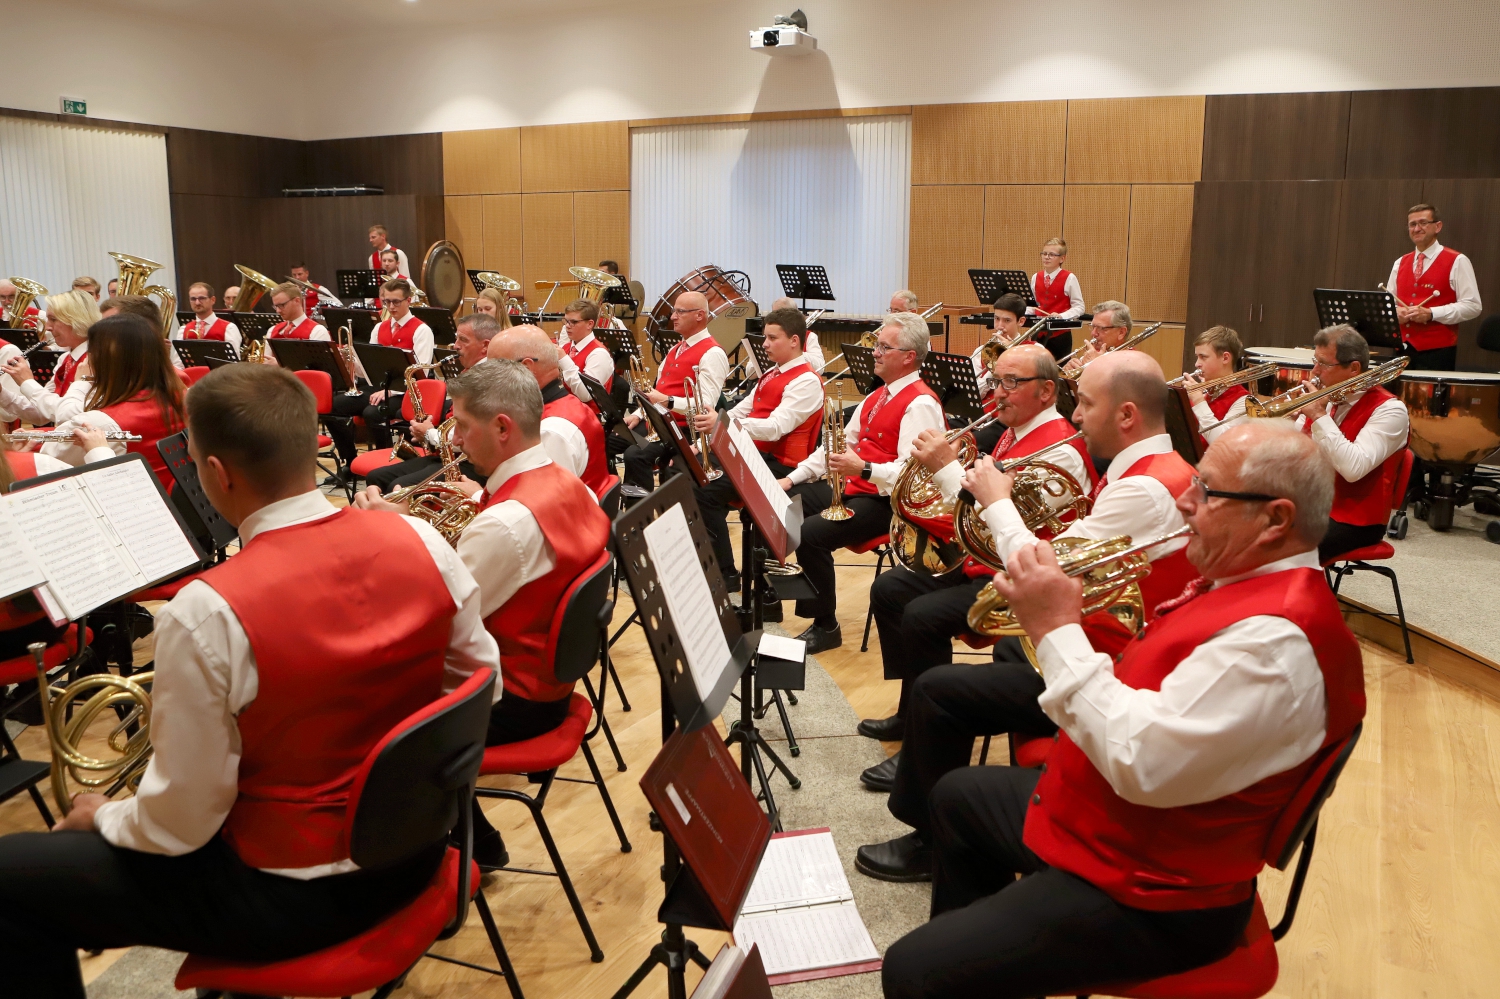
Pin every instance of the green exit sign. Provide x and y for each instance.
(72, 105)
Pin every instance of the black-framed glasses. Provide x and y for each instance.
(391, 301)
(1010, 382)
(1201, 494)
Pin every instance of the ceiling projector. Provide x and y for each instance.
(788, 36)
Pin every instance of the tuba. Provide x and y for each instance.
(27, 291)
(833, 443)
(254, 286)
(438, 500)
(1045, 495)
(916, 497)
(134, 273)
(1295, 398)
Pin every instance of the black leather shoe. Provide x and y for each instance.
(822, 639)
(882, 776)
(906, 858)
(489, 851)
(885, 729)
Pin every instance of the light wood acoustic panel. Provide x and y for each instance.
(1018, 219)
(601, 228)
(1166, 345)
(483, 161)
(547, 243)
(1018, 142)
(502, 234)
(589, 156)
(1135, 140)
(1161, 242)
(463, 222)
(947, 238)
(1096, 224)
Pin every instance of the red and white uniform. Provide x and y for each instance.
(30, 464)
(1443, 282)
(62, 398)
(1227, 408)
(812, 353)
(1175, 762)
(262, 739)
(140, 415)
(1364, 438)
(1057, 293)
(784, 414)
(409, 334)
(592, 357)
(216, 328)
(305, 328)
(881, 431)
(402, 265)
(701, 350)
(573, 437)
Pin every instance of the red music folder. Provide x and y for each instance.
(767, 504)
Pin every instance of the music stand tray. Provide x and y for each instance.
(991, 284)
(1182, 426)
(805, 281)
(1373, 313)
(384, 366)
(440, 321)
(254, 325)
(309, 355)
(951, 376)
(361, 322)
(757, 344)
(203, 352)
(364, 283)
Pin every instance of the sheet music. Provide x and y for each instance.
(745, 444)
(85, 565)
(688, 598)
(793, 650)
(800, 939)
(128, 495)
(20, 570)
(798, 871)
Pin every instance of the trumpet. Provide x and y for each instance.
(915, 496)
(1298, 396)
(1253, 373)
(833, 443)
(439, 501)
(1071, 372)
(1045, 495)
(695, 408)
(66, 436)
(641, 384)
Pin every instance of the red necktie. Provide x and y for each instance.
(63, 377)
(881, 397)
(1007, 441)
(1419, 259)
(1191, 592)
(1098, 488)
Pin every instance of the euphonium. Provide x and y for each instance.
(1045, 495)
(695, 408)
(441, 503)
(27, 291)
(134, 273)
(1295, 398)
(833, 443)
(1071, 369)
(915, 496)
(66, 724)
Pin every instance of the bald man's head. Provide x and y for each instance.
(1131, 376)
(531, 346)
(690, 314)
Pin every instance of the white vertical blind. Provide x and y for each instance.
(748, 196)
(69, 194)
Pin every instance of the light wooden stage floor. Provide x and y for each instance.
(1403, 898)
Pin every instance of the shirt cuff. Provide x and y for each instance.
(102, 453)
(949, 479)
(1061, 646)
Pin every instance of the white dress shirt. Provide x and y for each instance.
(504, 546)
(950, 477)
(1461, 276)
(402, 267)
(1383, 434)
(924, 413)
(812, 353)
(600, 365)
(1076, 305)
(206, 675)
(421, 340)
(565, 444)
(713, 368)
(1245, 705)
(1138, 506)
(800, 398)
(319, 332)
(1234, 417)
(231, 335)
(43, 402)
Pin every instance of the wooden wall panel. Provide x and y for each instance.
(1018, 142)
(547, 240)
(482, 161)
(601, 228)
(465, 227)
(1167, 345)
(1135, 140)
(1018, 219)
(590, 156)
(1096, 224)
(1371, 230)
(1275, 136)
(1161, 239)
(230, 165)
(947, 238)
(1424, 133)
(502, 234)
(1471, 213)
(402, 164)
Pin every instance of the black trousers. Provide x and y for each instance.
(1049, 933)
(13, 642)
(1440, 359)
(1343, 538)
(65, 890)
(821, 538)
(376, 417)
(412, 471)
(641, 462)
(714, 498)
(1060, 345)
(918, 616)
(950, 707)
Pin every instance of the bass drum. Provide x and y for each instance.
(728, 294)
(1455, 415)
(1294, 365)
(443, 276)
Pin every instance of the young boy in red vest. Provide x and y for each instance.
(1217, 352)
(1137, 844)
(1057, 293)
(1435, 291)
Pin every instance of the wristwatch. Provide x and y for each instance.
(864, 473)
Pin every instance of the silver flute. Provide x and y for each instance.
(64, 436)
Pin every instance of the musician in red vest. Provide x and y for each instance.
(233, 845)
(572, 435)
(1137, 845)
(205, 325)
(783, 415)
(296, 324)
(1435, 291)
(1217, 353)
(1008, 312)
(1108, 329)
(878, 440)
(1057, 293)
(8, 292)
(317, 292)
(394, 268)
(379, 243)
(1363, 436)
(697, 349)
(69, 317)
(587, 352)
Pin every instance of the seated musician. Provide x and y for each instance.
(231, 847)
(1121, 411)
(69, 317)
(88, 284)
(697, 349)
(231, 295)
(1363, 437)
(493, 302)
(538, 528)
(8, 294)
(296, 324)
(314, 294)
(1109, 329)
(588, 353)
(206, 325)
(1057, 293)
(393, 268)
(571, 434)
(1009, 310)
(1218, 354)
(783, 415)
(1132, 854)
(812, 350)
(379, 244)
(29, 464)
(877, 442)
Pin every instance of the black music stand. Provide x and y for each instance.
(183, 318)
(991, 284)
(1373, 313)
(253, 325)
(619, 342)
(610, 413)
(951, 376)
(805, 281)
(384, 366)
(440, 321)
(1182, 426)
(668, 431)
(447, 361)
(758, 348)
(24, 339)
(663, 339)
(44, 363)
(218, 534)
(310, 355)
(622, 297)
(861, 362)
(362, 283)
(361, 322)
(203, 352)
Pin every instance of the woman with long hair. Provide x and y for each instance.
(69, 318)
(492, 302)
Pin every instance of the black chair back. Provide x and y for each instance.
(573, 642)
(208, 525)
(1489, 332)
(610, 501)
(1325, 781)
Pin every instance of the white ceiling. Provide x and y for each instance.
(351, 16)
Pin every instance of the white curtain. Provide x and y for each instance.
(69, 194)
(748, 196)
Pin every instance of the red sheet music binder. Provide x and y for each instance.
(712, 816)
(776, 534)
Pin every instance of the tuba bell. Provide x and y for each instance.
(27, 291)
(252, 289)
(134, 273)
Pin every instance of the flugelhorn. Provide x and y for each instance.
(833, 443)
(27, 291)
(1045, 495)
(1291, 400)
(1253, 373)
(695, 408)
(641, 384)
(439, 501)
(1072, 373)
(348, 360)
(66, 436)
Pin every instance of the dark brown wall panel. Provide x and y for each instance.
(1372, 229)
(402, 164)
(1424, 133)
(1275, 136)
(230, 165)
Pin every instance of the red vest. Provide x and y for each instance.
(143, 416)
(679, 364)
(286, 331)
(388, 334)
(580, 357)
(62, 376)
(803, 440)
(880, 435)
(309, 299)
(1203, 855)
(1171, 574)
(375, 260)
(567, 407)
(336, 674)
(22, 464)
(198, 329)
(1416, 291)
(1220, 405)
(578, 531)
(1051, 297)
(1368, 501)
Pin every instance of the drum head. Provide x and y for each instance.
(443, 275)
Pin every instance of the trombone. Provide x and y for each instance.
(695, 408)
(1130, 343)
(1253, 373)
(1298, 396)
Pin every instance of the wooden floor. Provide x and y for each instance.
(1403, 899)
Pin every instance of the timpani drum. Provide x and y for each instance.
(1294, 366)
(1455, 415)
(728, 294)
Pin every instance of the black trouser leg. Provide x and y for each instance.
(641, 462)
(714, 498)
(390, 476)
(1343, 538)
(1050, 933)
(65, 890)
(950, 706)
(1061, 345)
(922, 614)
(378, 417)
(1438, 359)
(516, 719)
(821, 538)
(341, 426)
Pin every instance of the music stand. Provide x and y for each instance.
(384, 366)
(361, 322)
(1373, 313)
(621, 295)
(24, 339)
(253, 325)
(44, 363)
(991, 284)
(440, 321)
(619, 342)
(203, 352)
(758, 348)
(805, 281)
(1182, 426)
(309, 355)
(669, 432)
(862, 367)
(663, 339)
(364, 283)
(951, 376)
(183, 318)
(611, 415)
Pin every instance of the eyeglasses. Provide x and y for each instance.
(388, 302)
(1421, 223)
(1201, 493)
(881, 348)
(281, 305)
(1010, 382)
(1052, 253)
(686, 312)
(576, 322)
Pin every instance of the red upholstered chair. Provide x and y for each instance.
(415, 786)
(18, 774)
(320, 383)
(572, 648)
(434, 393)
(192, 375)
(1359, 559)
(881, 546)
